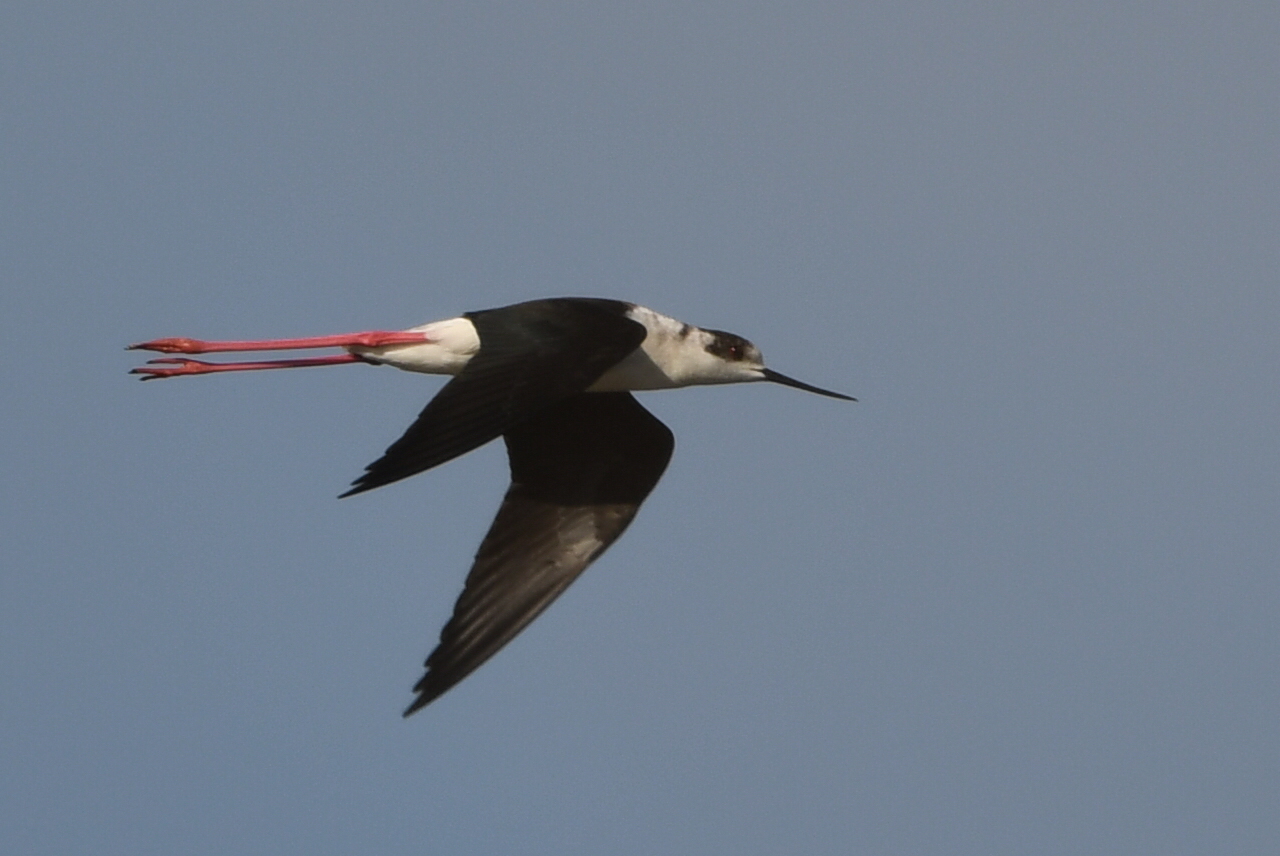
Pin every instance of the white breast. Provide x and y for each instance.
(664, 359)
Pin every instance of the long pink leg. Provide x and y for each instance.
(367, 339)
(178, 366)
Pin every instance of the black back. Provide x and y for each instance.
(531, 356)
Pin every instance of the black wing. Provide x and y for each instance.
(545, 352)
(579, 472)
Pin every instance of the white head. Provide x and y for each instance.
(729, 358)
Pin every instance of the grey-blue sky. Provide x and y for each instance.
(1021, 598)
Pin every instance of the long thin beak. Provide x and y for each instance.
(770, 374)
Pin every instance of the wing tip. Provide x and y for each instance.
(368, 481)
(418, 704)
(426, 695)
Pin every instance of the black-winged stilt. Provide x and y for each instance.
(553, 378)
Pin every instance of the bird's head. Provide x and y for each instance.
(729, 358)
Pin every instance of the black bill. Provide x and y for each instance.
(770, 374)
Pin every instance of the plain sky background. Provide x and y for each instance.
(1023, 598)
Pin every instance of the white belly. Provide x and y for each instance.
(450, 345)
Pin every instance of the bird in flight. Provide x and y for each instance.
(553, 378)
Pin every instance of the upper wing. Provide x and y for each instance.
(579, 472)
(548, 351)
